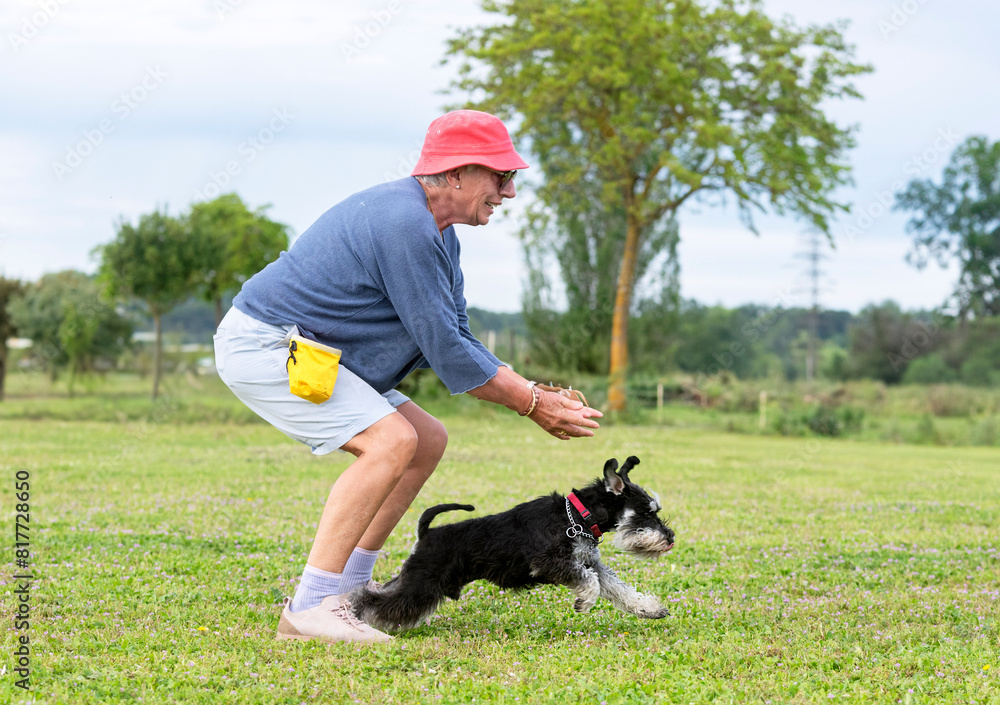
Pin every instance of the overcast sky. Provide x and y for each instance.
(109, 109)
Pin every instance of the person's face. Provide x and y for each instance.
(485, 193)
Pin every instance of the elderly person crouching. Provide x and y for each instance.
(378, 277)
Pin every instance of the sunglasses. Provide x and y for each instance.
(505, 176)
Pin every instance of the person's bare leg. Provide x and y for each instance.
(384, 451)
(431, 441)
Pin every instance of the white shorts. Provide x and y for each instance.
(250, 357)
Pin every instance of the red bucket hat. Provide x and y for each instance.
(467, 137)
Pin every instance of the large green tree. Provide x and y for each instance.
(650, 102)
(959, 220)
(69, 323)
(157, 262)
(9, 290)
(235, 242)
(574, 232)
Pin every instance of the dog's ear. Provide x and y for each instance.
(612, 483)
(630, 463)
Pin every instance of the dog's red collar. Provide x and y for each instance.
(585, 514)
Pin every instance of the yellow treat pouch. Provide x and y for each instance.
(312, 369)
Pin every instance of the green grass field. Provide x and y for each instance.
(806, 570)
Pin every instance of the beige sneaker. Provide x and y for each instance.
(331, 621)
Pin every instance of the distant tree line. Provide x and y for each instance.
(77, 330)
(77, 321)
(880, 342)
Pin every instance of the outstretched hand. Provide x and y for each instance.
(565, 418)
(561, 416)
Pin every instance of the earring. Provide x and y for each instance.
(458, 185)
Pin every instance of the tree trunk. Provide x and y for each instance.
(619, 323)
(157, 353)
(218, 312)
(72, 378)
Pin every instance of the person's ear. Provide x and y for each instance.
(455, 176)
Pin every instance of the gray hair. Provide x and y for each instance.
(433, 179)
(441, 179)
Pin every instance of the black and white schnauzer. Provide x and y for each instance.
(549, 540)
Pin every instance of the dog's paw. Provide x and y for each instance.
(654, 614)
(581, 605)
(651, 608)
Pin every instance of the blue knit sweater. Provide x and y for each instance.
(375, 278)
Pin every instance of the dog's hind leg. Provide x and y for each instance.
(625, 597)
(399, 604)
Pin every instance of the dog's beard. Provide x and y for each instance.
(643, 542)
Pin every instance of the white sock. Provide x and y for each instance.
(316, 584)
(358, 569)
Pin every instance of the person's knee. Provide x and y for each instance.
(433, 438)
(433, 441)
(391, 439)
(399, 440)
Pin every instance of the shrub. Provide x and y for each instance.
(952, 400)
(788, 422)
(986, 432)
(823, 421)
(852, 418)
(893, 431)
(926, 431)
(979, 371)
(929, 369)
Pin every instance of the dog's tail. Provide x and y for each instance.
(428, 516)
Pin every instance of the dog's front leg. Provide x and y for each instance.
(627, 598)
(579, 578)
(586, 590)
